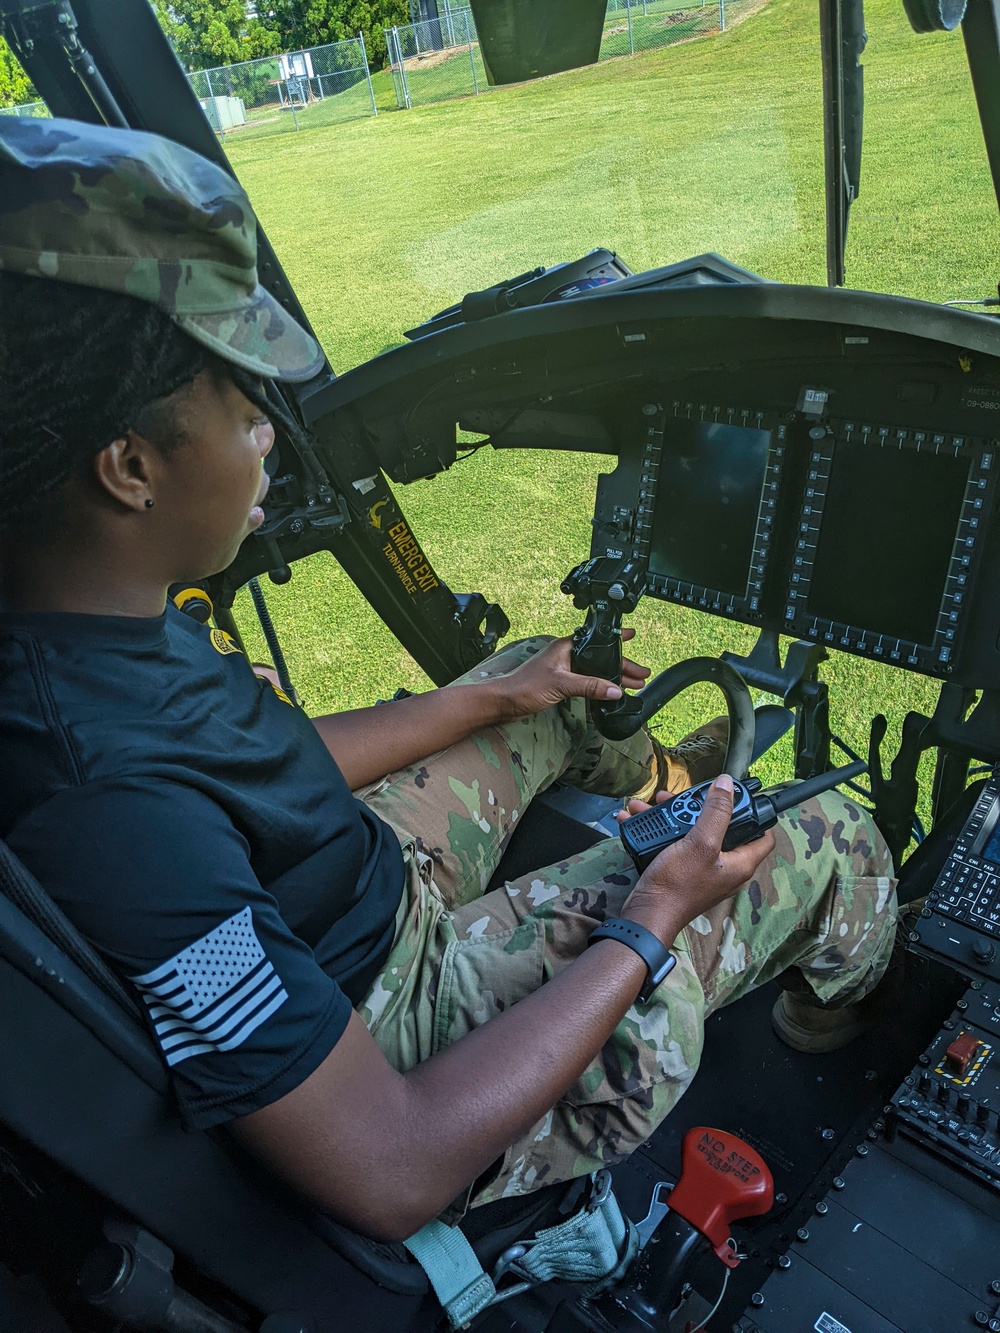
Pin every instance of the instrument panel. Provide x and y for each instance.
(859, 535)
(815, 462)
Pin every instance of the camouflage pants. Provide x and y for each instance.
(822, 902)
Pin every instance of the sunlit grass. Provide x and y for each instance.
(711, 145)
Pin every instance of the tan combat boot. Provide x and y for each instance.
(697, 758)
(810, 1028)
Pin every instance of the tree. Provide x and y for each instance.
(206, 33)
(302, 23)
(15, 86)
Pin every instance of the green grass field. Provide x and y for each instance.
(714, 144)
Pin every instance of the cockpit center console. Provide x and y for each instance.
(854, 533)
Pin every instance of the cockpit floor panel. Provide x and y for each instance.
(807, 1115)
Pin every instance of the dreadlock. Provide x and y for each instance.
(78, 368)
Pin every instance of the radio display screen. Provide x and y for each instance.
(991, 852)
(991, 835)
(886, 538)
(708, 503)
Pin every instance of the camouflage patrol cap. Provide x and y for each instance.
(135, 213)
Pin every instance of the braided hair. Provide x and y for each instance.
(78, 368)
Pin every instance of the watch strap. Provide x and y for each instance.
(655, 954)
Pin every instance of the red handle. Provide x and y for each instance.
(722, 1180)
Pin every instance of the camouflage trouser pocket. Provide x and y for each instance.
(484, 975)
(850, 950)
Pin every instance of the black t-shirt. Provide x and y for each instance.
(191, 823)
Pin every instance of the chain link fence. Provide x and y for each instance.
(643, 25)
(26, 109)
(324, 85)
(439, 58)
(436, 60)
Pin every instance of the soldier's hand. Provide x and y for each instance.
(548, 677)
(693, 875)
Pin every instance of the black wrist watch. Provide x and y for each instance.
(660, 962)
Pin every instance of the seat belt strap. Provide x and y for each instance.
(453, 1271)
(593, 1247)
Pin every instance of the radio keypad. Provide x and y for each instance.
(968, 888)
(971, 893)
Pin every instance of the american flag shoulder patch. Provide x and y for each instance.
(213, 994)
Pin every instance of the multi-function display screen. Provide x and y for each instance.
(708, 503)
(886, 538)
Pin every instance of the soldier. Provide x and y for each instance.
(322, 971)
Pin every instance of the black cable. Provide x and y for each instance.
(460, 458)
(271, 637)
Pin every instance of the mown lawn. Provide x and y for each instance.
(714, 144)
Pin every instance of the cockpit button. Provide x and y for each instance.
(961, 1053)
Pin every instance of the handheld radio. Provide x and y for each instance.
(646, 834)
